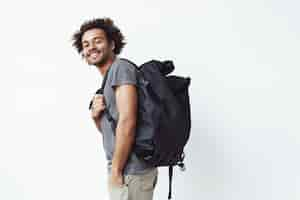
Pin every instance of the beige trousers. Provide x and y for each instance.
(135, 187)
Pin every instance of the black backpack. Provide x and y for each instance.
(164, 118)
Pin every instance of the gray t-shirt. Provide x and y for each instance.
(120, 72)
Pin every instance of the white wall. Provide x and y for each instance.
(242, 56)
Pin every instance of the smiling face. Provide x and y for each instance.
(96, 48)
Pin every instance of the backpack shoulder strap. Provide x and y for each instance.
(101, 90)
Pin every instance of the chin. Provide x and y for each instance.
(94, 62)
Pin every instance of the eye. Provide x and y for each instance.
(85, 45)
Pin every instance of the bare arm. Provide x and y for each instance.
(126, 100)
(97, 123)
(97, 110)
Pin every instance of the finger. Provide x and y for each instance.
(98, 103)
(98, 96)
(98, 108)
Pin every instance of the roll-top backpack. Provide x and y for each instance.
(164, 118)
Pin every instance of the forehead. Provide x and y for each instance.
(93, 33)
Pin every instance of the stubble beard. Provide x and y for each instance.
(101, 62)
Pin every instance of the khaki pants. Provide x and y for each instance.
(135, 187)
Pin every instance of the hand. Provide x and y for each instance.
(116, 179)
(98, 106)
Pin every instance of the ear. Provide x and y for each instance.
(112, 45)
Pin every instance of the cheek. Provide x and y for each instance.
(84, 52)
(102, 46)
(99, 46)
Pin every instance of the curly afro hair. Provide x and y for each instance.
(112, 32)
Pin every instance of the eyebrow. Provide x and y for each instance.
(97, 37)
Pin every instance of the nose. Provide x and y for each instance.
(90, 48)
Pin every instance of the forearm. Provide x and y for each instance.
(97, 123)
(97, 109)
(125, 135)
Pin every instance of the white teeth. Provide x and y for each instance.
(94, 54)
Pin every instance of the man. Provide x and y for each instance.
(100, 42)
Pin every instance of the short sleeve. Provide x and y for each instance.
(124, 73)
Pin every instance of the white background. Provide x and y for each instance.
(242, 56)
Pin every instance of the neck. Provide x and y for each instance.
(105, 66)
